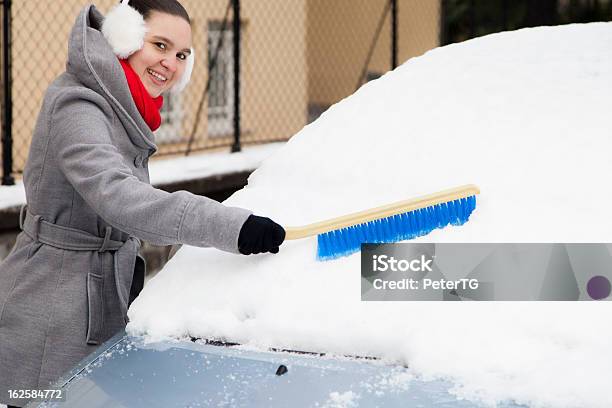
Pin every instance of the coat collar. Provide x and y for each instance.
(92, 61)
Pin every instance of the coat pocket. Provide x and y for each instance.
(95, 309)
(34, 247)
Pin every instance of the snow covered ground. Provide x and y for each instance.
(169, 170)
(525, 115)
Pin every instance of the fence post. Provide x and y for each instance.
(505, 15)
(393, 34)
(7, 119)
(472, 16)
(236, 30)
(443, 32)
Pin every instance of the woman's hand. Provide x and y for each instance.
(260, 234)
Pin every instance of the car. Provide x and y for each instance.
(127, 372)
(525, 116)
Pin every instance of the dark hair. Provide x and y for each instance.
(145, 7)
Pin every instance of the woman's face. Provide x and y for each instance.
(162, 60)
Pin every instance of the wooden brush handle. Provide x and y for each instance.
(384, 211)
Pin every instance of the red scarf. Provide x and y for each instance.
(147, 106)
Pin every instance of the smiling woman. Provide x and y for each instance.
(66, 286)
(163, 59)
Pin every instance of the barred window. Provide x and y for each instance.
(220, 93)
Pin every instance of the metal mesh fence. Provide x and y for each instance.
(297, 58)
(39, 34)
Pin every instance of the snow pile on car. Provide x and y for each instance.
(525, 115)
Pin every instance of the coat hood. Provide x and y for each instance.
(92, 61)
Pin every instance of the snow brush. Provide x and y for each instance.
(394, 222)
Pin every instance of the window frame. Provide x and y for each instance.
(220, 118)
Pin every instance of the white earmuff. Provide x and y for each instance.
(124, 28)
(184, 80)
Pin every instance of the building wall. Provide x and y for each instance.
(273, 68)
(340, 36)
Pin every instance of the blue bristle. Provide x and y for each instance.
(392, 227)
(412, 224)
(431, 218)
(408, 225)
(359, 235)
(386, 223)
(422, 217)
(451, 212)
(445, 215)
(416, 221)
(415, 224)
(438, 215)
(374, 229)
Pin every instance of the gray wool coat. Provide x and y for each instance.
(65, 286)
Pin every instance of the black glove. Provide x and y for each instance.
(260, 234)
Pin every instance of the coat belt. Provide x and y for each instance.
(63, 237)
(59, 236)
